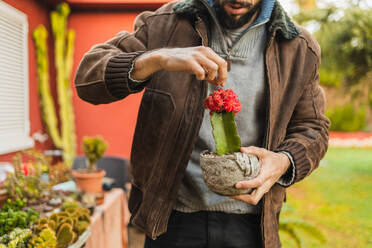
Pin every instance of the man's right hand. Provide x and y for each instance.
(200, 61)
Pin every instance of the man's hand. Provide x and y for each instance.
(273, 166)
(200, 61)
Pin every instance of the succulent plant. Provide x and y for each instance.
(11, 219)
(45, 239)
(223, 105)
(65, 235)
(93, 147)
(25, 183)
(17, 238)
(68, 224)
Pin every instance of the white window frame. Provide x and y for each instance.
(16, 141)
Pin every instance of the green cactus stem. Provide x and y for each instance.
(65, 235)
(40, 35)
(224, 132)
(63, 48)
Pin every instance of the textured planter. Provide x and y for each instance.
(221, 173)
(89, 182)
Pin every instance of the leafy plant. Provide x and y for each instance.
(291, 226)
(223, 105)
(11, 219)
(14, 205)
(346, 118)
(345, 36)
(25, 182)
(94, 148)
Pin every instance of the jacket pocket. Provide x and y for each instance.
(154, 119)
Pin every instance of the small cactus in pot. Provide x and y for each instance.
(90, 180)
(224, 168)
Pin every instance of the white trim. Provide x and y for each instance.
(11, 142)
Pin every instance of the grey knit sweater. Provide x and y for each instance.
(247, 79)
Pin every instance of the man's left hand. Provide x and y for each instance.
(273, 166)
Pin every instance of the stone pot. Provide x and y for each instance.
(221, 173)
(89, 182)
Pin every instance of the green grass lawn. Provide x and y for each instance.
(337, 199)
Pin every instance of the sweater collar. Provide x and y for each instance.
(272, 11)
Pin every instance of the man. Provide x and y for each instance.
(179, 54)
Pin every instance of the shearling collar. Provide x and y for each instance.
(279, 21)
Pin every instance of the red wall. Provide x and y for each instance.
(37, 14)
(115, 122)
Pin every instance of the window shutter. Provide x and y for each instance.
(14, 99)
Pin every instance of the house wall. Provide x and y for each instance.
(115, 122)
(36, 14)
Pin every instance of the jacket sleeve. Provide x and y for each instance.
(103, 73)
(307, 132)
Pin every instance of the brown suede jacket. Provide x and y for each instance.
(172, 108)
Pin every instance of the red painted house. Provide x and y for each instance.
(94, 21)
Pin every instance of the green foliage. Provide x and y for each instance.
(14, 205)
(345, 37)
(336, 198)
(12, 219)
(45, 239)
(225, 134)
(291, 226)
(69, 204)
(17, 238)
(93, 147)
(64, 41)
(346, 118)
(25, 182)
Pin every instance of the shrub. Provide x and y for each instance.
(346, 118)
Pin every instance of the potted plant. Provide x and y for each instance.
(224, 168)
(90, 179)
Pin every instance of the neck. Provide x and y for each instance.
(251, 21)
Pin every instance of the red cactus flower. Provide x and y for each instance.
(223, 100)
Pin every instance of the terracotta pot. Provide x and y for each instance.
(89, 182)
(221, 173)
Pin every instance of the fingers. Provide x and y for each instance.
(196, 69)
(259, 152)
(255, 197)
(201, 61)
(210, 67)
(221, 65)
(250, 184)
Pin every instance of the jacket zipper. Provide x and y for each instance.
(266, 139)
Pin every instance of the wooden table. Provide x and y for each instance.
(109, 222)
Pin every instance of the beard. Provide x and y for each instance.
(230, 22)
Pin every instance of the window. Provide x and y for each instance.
(14, 103)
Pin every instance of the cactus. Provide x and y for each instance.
(68, 224)
(223, 106)
(64, 40)
(93, 148)
(65, 235)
